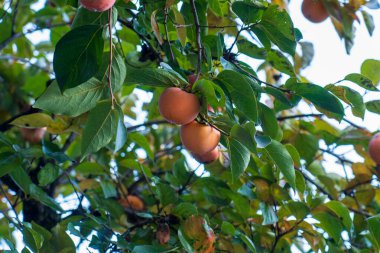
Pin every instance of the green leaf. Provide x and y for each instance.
(121, 132)
(148, 249)
(100, 127)
(8, 162)
(247, 241)
(371, 69)
(248, 48)
(307, 146)
(249, 13)
(166, 194)
(48, 174)
(38, 194)
(341, 211)
(241, 91)
(362, 81)
(319, 96)
(245, 135)
(299, 209)
(282, 159)
(215, 7)
(227, 228)
(374, 229)
(108, 188)
(351, 97)
(60, 242)
(369, 22)
(269, 122)
(186, 246)
(21, 178)
(294, 154)
(153, 77)
(278, 26)
(184, 210)
(78, 56)
(373, 106)
(89, 168)
(280, 62)
(74, 101)
(239, 156)
(268, 213)
(180, 171)
(330, 224)
(208, 90)
(32, 239)
(86, 17)
(142, 141)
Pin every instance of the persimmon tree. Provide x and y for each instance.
(77, 172)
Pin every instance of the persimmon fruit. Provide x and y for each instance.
(132, 202)
(178, 106)
(199, 138)
(209, 157)
(374, 148)
(314, 11)
(97, 5)
(33, 135)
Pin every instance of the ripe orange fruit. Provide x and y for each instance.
(209, 157)
(314, 11)
(374, 148)
(97, 5)
(178, 106)
(199, 138)
(132, 202)
(33, 135)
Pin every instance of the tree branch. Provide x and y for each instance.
(14, 36)
(199, 39)
(321, 189)
(147, 124)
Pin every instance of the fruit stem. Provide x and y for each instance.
(111, 57)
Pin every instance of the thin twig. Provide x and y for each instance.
(5, 42)
(336, 156)
(321, 189)
(167, 33)
(282, 118)
(111, 56)
(259, 80)
(199, 39)
(147, 124)
(14, 17)
(10, 203)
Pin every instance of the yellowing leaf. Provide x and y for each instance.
(181, 30)
(34, 120)
(155, 28)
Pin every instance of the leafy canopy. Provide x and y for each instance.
(99, 177)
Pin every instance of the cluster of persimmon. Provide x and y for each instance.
(182, 108)
(314, 11)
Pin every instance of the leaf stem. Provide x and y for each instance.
(111, 56)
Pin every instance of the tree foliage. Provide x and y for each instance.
(109, 184)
